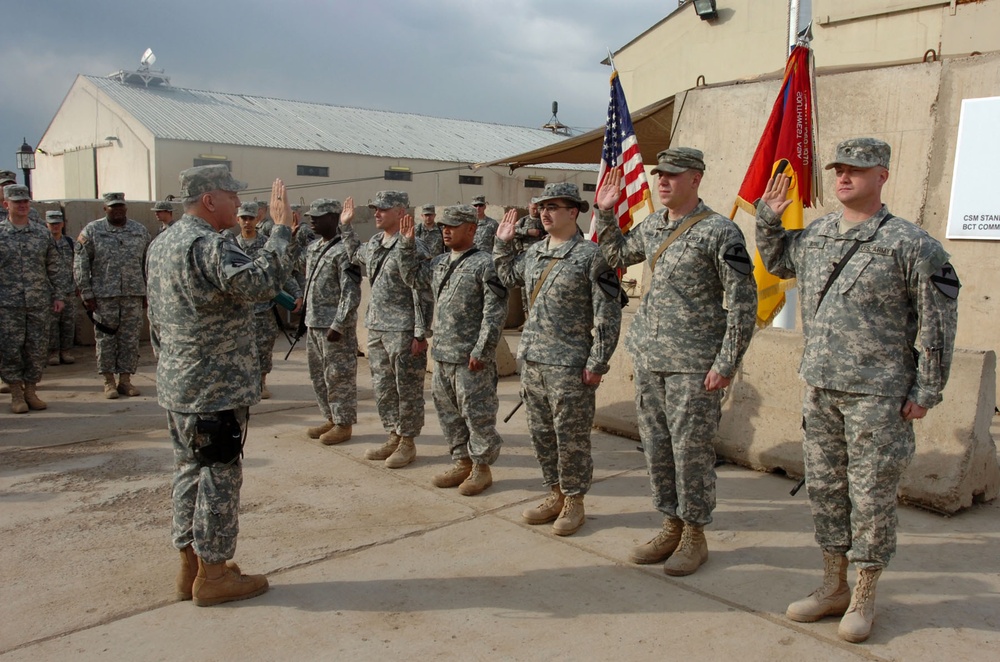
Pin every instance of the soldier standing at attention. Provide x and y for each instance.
(528, 231)
(164, 212)
(62, 331)
(879, 330)
(32, 280)
(685, 344)
(572, 329)
(471, 307)
(398, 321)
(109, 270)
(428, 232)
(486, 231)
(202, 289)
(8, 177)
(332, 296)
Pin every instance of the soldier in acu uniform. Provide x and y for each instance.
(62, 331)
(164, 212)
(686, 342)
(471, 307)
(486, 231)
(8, 177)
(428, 232)
(571, 331)
(879, 311)
(202, 289)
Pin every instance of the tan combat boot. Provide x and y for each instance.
(480, 478)
(264, 393)
(188, 572)
(336, 435)
(660, 547)
(320, 430)
(125, 386)
(572, 516)
(547, 510)
(17, 403)
(32, 399)
(690, 554)
(110, 389)
(53, 358)
(856, 624)
(66, 357)
(217, 583)
(405, 453)
(385, 450)
(830, 599)
(454, 476)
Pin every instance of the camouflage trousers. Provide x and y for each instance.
(206, 499)
(62, 330)
(560, 411)
(333, 368)
(467, 404)
(119, 352)
(24, 345)
(398, 381)
(678, 420)
(265, 329)
(855, 449)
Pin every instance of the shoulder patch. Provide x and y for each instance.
(234, 260)
(496, 286)
(354, 273)
(609, 284)
(738, 259)
(946, 280)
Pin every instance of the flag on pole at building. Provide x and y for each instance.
(788, 145)
(621, 149)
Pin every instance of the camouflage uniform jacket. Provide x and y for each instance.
(394, 305)
(31, 273)
(431, 237)
(883, 304)
(110, 260)
(576, 319)
(253, 246)
(470, 309)
(66, 248)
(334, 287)
(486, 234)
(524, 224)
(202, 288)
(700, 310)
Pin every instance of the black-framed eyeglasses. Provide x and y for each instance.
(552, 208)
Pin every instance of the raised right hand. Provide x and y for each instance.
(505, 231)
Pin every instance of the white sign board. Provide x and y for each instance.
(974, 212)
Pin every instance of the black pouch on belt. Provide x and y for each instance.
(225, 439)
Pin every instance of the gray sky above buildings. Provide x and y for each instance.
(501, 61)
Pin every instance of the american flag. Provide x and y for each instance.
(621, 149)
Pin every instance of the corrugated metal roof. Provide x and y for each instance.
(175, 113)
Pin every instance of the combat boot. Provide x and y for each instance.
(264, 393)
(125, 386)
(572, 516)
(32, 399)
(320, 430)
(336, 435)
(385, 450)
(110, 389)
(480, 478)
(830, 599)
(217, 583)
(454, 476)
(690, 554)
(660, 547)
(66, 357)
(5, 388)
(405, 453)
(17, 403)
(53, 358)
(856, 624)
(188, 572)
(547, 510)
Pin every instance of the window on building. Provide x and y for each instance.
(470, 179)
(590, 187)
(534, 182)
(312, 171)
(399, 175)
(225, 162)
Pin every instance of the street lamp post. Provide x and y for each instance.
(26, 162)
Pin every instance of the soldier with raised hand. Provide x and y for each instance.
(108, 267)
(32, 282)
(528, 231)
(471, 306)
(398, 322)
(569, 336)
(486, 230)
(879, 312)
(686, 341)
(202, 289)
(62, 331)
(332, 296)
(428, 232)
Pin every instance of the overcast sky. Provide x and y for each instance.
(501, 61)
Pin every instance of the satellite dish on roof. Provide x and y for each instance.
(148, 59)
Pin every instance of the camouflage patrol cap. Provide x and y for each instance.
(113, 199)
(428, 209)
(248, 209)
(677, 160)
(390, 199)
(162, 206)
(204, 179)
(563, 191)
(54, 216)
(456, 215)
(15, 192)
(479, 200)
(862, 153)
(324, 206)
(7, 177)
